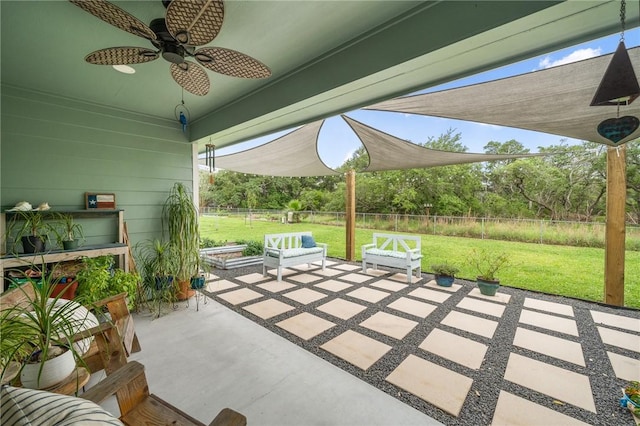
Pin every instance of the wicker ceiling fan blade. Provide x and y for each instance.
(195, 22)
(191, 77)
(121, 56)
(115, 16)
(231, 62)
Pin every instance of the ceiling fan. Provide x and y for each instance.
(187, 25)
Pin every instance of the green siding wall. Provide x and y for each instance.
(54, 149)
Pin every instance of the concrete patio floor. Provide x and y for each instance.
(202, 361)
(338, 347)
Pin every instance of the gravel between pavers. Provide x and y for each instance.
(480, 403)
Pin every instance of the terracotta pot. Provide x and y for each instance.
(67, 290)
(184, 290)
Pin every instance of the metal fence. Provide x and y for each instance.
(571, 233)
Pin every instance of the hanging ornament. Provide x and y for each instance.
(182, 114)
(210, 151)
(619, 86)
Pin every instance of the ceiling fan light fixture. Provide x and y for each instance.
(125, 69)
(173, 53)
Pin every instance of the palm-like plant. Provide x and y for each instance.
(42, 327)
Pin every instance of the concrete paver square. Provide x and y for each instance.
(543, 305)
(389, 285)
(499, 297)
(328, 272)
(268, 308)
(333, 285)
(455, 348)
(390, 325)
(564, 385)
(513, 410)
(347, 267)
(625, 367)
(355, 278)
(220, 285)
(620, 339)
(305, 325)
(341, 308)
(549, 345)
(368, 294)
(454, 287)
(252, 278)
(618, 321)
(376, 272)
(412, 307)
(275, 286)
(477, 305)
(403, 278)
(305, 295)
(285, 272)
(237, 297)
(470, 323)
(357, 349)
(550, 322)
(432, 295)
(437, 385)
(305, 278)
(307, 267)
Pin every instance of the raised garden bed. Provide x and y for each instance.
(228, 257)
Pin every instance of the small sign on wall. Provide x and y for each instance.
(94, 200)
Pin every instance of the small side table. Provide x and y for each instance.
(73, 383)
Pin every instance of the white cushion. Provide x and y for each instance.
(294, 252)
(29, 407)
(391, 253)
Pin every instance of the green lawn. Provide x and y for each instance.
(569, 271)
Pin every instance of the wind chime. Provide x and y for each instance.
(618, 87)
(210, 157)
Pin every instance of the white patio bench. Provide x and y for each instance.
(289, 249)
(394, 251)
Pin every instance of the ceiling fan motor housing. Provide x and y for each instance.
(171, 50)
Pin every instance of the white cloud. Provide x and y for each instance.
(491, 126)
(574, 56)
(348, 156)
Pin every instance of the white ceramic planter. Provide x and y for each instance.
(54, 371)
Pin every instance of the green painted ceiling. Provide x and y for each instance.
(326, 57)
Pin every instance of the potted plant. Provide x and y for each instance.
(97, 280)
(158, 263)
(180, 218)
(41, 332)
(631, 397)
(31, 229)
(444, 274)
(67, 231)
(487, 264)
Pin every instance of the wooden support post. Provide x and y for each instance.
(351, 216)
(615, 228)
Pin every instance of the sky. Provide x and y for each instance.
(474, 136)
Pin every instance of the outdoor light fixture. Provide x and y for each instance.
(619, 86)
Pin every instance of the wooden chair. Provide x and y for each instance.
(120, 317)
(138, 407)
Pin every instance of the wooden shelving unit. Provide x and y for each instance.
(117, 248)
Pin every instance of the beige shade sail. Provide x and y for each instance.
(294, 154)
(387, 152)
(555, 100)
